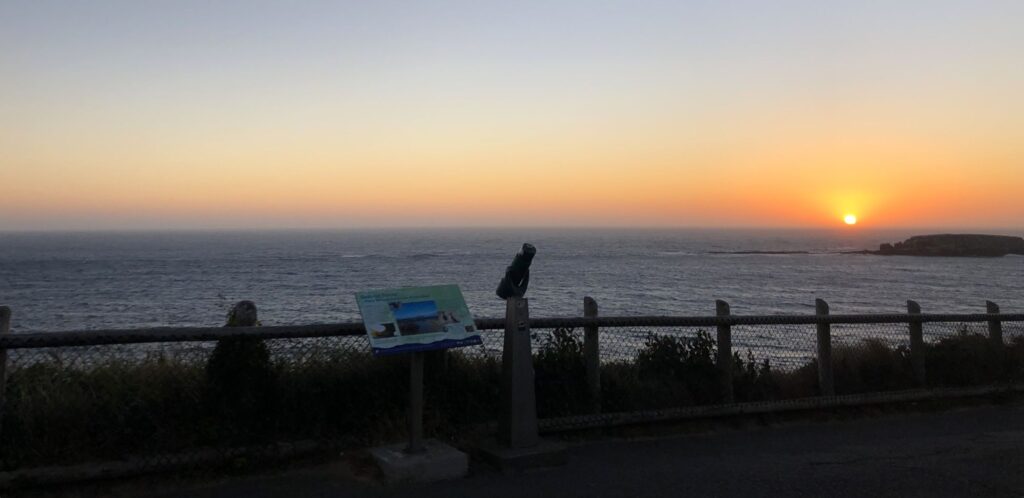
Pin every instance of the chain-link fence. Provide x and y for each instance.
(188, 397)
(187, 402)
(654, 368)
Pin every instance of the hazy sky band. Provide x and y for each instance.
(250, 114)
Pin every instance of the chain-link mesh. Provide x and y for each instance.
(173, 403)
(182, 401)
(1013, 333)
(657, 368)
(964, 354)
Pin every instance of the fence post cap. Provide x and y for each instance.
(721, 307)
(991, 307)
(242, 314)
(913, 307)
(821, 306)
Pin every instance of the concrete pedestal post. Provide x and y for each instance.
(517, 422)
(518, 445)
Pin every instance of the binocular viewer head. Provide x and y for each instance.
(517, 274)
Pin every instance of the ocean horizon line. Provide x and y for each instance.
(495, 228)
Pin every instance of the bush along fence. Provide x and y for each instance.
(146, 400)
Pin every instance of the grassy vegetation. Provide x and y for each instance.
(57, 413)
(671, 371)
(60, 413)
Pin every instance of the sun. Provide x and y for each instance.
(850, 219)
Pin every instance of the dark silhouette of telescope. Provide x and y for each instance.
(517, 275)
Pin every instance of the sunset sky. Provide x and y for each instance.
(177, 114)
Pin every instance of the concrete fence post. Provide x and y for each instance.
(917, 353)
(517, 422)
(240, 374)
(825, 378)
(5, 328)
(724, 359)
(995, 326)
(592, 355)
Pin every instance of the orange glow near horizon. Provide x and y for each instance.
(592, 180)
(524, 187)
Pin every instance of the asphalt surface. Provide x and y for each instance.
(976, 451)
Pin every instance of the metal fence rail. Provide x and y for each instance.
(192, 334)
(150, 396)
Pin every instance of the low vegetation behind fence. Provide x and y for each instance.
(169, 397)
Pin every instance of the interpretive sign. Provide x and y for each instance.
(417, 319)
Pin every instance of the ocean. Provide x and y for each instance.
(96, 280)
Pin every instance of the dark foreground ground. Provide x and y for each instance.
(973, 451)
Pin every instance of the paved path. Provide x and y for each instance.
(975, 451)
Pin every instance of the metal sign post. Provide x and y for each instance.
(415, 404)
(411, 321)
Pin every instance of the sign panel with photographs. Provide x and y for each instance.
(417, 319)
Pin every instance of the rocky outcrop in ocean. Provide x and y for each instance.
(964, 245)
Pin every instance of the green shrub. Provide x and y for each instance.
(342, 395)
(622, 390)
(1015, 359)
(681, 366)
(801, 382)
(753, 381)
(871, 365)
(561, 374)
(966, 359)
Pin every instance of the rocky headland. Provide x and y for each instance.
(956, 245)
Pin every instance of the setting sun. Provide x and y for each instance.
(850, 219)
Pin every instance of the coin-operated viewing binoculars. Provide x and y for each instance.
(518, 445)
(517, 275)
